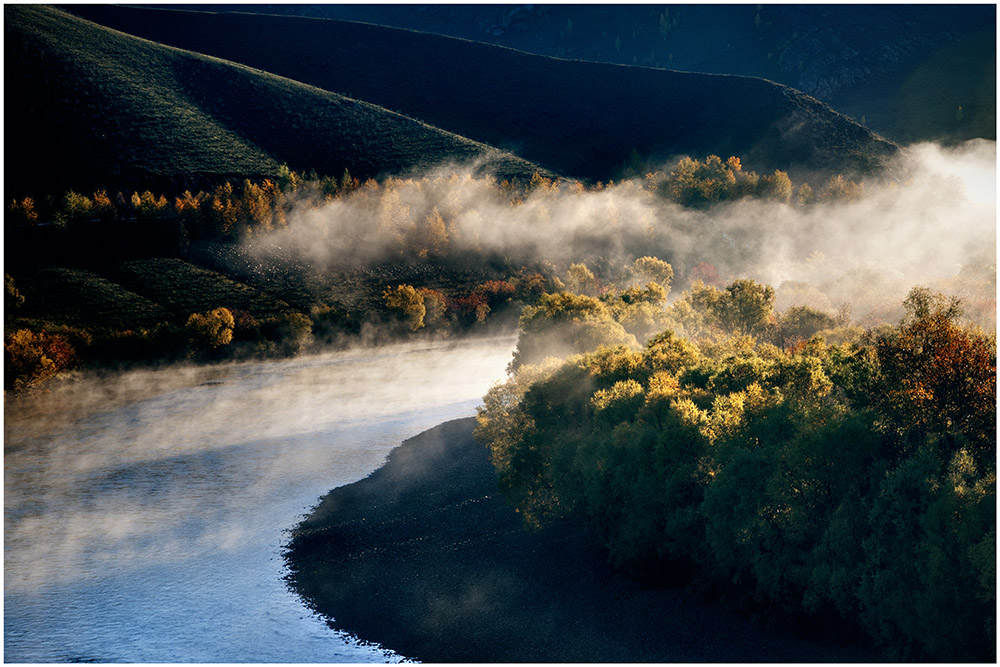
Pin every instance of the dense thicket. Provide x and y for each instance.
(852, 480)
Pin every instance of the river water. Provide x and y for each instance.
(145, 515)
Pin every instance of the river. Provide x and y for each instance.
(145, 514)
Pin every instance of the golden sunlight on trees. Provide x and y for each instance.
(22, 213)
(76, 208)
(211, 329)
(148, 206)
(435, 306)
(566, 323)
(31, 358)
(407, 304)
(856, 479)
(652, 269)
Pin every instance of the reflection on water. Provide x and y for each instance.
(146, 524)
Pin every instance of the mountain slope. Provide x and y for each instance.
(579, 118)
(103, 108)
(924, 61)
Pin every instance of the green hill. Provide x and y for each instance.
(100, 108)
(578, 118)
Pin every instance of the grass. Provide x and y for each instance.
(120, 111)
(578, 118)
(183, 288)
(82, 298)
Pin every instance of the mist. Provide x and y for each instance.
(930, 219)
(198, 461)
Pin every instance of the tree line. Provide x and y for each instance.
(231, 211)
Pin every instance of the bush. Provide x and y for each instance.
(212, 329)
(31, 358)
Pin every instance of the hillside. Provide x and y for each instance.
(101, 108)
(579, 118)
(907, 85)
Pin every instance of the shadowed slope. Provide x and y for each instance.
(100, 107)
(580, 118)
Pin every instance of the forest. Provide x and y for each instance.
(812, 476)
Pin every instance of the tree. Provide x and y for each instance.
(938, 379)
(212, 329)
(566, 323)
(31, 358)
(23, 213)
(435, 305)
(148, 206)
(746, 307)
(75, 208)
(581, 280)
(407, 303)
(13, 298)
(652, 269)
(801, 322)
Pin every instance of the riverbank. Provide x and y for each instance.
(425, 557)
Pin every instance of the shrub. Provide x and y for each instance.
(31, 358)
(211, 329)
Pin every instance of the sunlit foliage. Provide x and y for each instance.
(855, 480)
(211, 329)
(407, 303)
(32, 357)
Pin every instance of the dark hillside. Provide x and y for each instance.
(95, 107)
(580, 118)
(907, 83)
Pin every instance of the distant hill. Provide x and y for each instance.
(579, 118)
(905, 68)
(94, 107)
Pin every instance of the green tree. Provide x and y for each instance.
(746, 307)
(566, 323)
(799, 323)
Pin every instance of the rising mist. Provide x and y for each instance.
(930, 219)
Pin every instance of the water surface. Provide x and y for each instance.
(144, 516)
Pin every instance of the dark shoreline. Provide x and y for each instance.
(425, 557)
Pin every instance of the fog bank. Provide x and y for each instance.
(933, 223)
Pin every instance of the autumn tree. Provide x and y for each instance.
(22, 213)
(75, 208)
(581, 280)
(13, 299)
(745, 307)
(31, 357)
(407, 304)
(147, 206)
(212, 329)
(798, 323)
(566, 323)
(653, 269)
(435, 305)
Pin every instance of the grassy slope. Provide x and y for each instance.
(134, 294)
(579, 118)
(100, 106)
(78, 297)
